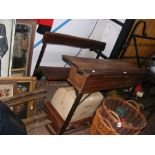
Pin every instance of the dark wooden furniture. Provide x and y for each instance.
(90, 75)
(61, 73)
(57, 121)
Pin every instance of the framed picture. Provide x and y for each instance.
(23, 84)
(7, 89)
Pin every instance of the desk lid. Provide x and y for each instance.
(103, 66)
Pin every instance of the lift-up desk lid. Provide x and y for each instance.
(103, 66)
(89, 74)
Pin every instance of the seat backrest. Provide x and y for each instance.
(68, 40)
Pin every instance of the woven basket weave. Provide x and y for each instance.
(106, 119)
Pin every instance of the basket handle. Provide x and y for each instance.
(104, 120)
(114, 115)
(133, 104)
(108, 124)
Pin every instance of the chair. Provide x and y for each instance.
(61, 73)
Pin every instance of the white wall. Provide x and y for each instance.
(110, 35)
(105, 30)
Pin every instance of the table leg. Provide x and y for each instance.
(66, 122)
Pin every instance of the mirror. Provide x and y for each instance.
(23, 47)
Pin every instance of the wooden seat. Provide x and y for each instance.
(55, 73)
(62, 73)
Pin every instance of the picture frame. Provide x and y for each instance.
(7, 89)
(23, 84)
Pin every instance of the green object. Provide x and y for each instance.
(121, 111)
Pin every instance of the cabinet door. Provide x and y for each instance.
(23, 47)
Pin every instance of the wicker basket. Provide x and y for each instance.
(106, 119)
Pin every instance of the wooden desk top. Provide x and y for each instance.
(103, 66)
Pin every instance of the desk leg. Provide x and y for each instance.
(66, 122)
